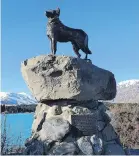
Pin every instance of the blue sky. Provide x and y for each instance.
(112, 27)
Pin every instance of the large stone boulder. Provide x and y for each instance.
(54, 129)
(62, 77)
(85, 145)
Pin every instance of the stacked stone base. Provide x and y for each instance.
(53, 134)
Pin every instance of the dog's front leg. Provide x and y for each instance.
(53, 46)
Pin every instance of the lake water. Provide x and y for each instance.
(18, 127)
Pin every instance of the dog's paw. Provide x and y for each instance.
(52, 55)
(88, 60)
(79, 56)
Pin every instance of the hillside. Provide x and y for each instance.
(127, 92)
(16, 98)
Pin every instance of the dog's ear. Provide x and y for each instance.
(58, 11)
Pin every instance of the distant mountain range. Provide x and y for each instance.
(16, 98)
(127, 92)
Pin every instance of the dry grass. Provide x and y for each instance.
(126, 123)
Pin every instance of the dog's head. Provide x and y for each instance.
(52, 13)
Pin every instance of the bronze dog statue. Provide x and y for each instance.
(58, 32)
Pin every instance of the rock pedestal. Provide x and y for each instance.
(63, 77)
(69, 119)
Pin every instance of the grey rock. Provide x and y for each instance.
(28, 141)
(81, 110)
(97, 145)
(41, 107)
(54, 129)
(109, 142)
(113, 118)
(66, 107)
(114, 149)
(70, 138)
(116, 141)
(108, 133)
(66, 114)
(109, 113)
(64, 149)
(102, 116)
(54, 111)
(102, 107)
(100, 125)
(39, 127)
(106, 117)
(84, 145)
(63, 77)
(39, 116)
(91, 104)
(34, 148)
(38, 121)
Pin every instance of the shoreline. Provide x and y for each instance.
(14, 109)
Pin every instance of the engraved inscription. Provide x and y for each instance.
(86, 124)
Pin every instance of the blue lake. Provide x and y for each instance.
(17, 125)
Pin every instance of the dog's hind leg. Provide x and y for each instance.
(76, 49)
(85, 49)
(86, 57)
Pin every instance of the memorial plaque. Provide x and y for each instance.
(85, 124)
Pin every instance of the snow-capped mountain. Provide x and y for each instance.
(16, 98)
(127, 92)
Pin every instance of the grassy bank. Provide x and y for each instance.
(125, 119)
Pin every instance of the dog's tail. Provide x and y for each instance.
(86, 44)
